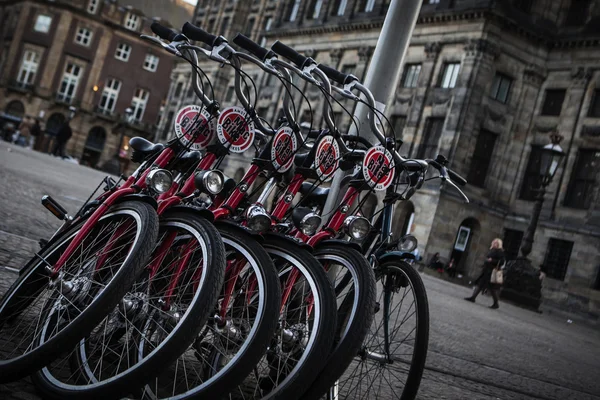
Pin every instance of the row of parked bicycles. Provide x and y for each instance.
(178, 282)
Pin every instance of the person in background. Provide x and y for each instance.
(435, 262)
(451, 268)
(8, 131)
(24, 132)
(544, 271)
(494, 258)
(417, 254)
(62, 137)
(36, 131)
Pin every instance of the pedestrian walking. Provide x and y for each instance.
(489, 276)
(62, 137)
(36, 131)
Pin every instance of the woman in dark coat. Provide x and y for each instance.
(494, 259)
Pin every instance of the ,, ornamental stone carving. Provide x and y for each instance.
(496, 116)
(403, 99)
(310, 53)
(432, 50)
(475, 47)
(534, 74)
(439, 97)
(544, 128)
(336, 55)
(581, 75)
(364, 53)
